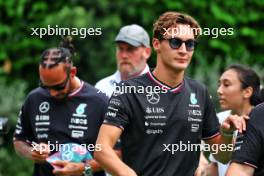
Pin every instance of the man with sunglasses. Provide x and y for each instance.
(160, 129)
(64, 109)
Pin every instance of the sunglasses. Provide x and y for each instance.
(175, 43)
(57, 87)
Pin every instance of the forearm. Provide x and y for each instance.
(231, 123)
(23, 148)
(225, 148)
(240, 169)
(109, 160)
(95, 165)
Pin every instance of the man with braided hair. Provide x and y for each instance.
(63, 109)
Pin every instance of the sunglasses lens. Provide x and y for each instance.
(175, 43)
(58, 87)
(190, 44)
(55, 87)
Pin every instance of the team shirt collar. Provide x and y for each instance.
(164, 86)
(77, 90)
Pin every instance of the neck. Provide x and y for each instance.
(245, 110)
(75, 84)
(167, 76)
(126, 76)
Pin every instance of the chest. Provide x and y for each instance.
(65, 121)
(162, 113)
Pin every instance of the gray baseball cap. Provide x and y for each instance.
(134, 35)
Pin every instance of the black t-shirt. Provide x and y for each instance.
(154, 116)
(75, 120)
(249, 147)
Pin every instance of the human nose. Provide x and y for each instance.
(183, 48)
(220, 90)
(123, 53)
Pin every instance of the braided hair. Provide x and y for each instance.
(62, 54)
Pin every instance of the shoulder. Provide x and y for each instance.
(259, 107)
(194, 84)
(129, 88)
(93, 93)
(37, 92)
(139, 80)
(35, 96)
(256, 115)
(108, 81)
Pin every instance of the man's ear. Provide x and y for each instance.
(156, 44)
(147, 53)
(247, 92)
(73, 71)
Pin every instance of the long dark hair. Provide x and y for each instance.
(249, 78)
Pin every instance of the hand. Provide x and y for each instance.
(130, 172)
(235, 122)
(39, 152)
(68, 168)
(201, 171)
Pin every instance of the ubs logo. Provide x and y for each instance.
(157, 110)
(153, 98)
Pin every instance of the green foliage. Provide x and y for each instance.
(96, 54)
(23, 49)
(11, 98)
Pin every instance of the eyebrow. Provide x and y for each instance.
(225, 80)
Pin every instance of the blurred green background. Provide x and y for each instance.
(20, 51)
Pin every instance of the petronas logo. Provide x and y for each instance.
(193, 98)
(81, 108)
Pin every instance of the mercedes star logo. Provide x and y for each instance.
(153, 98)
(67, 156)
(44, 107)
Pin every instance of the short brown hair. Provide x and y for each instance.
(169, 19)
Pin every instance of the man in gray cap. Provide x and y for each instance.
(132, 52)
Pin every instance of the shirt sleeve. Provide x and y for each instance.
(117, 114)
(249, 145)
(23, 130)
(210, 123)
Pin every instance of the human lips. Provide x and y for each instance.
(181, 60)
(125, 63)
(221, 100)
